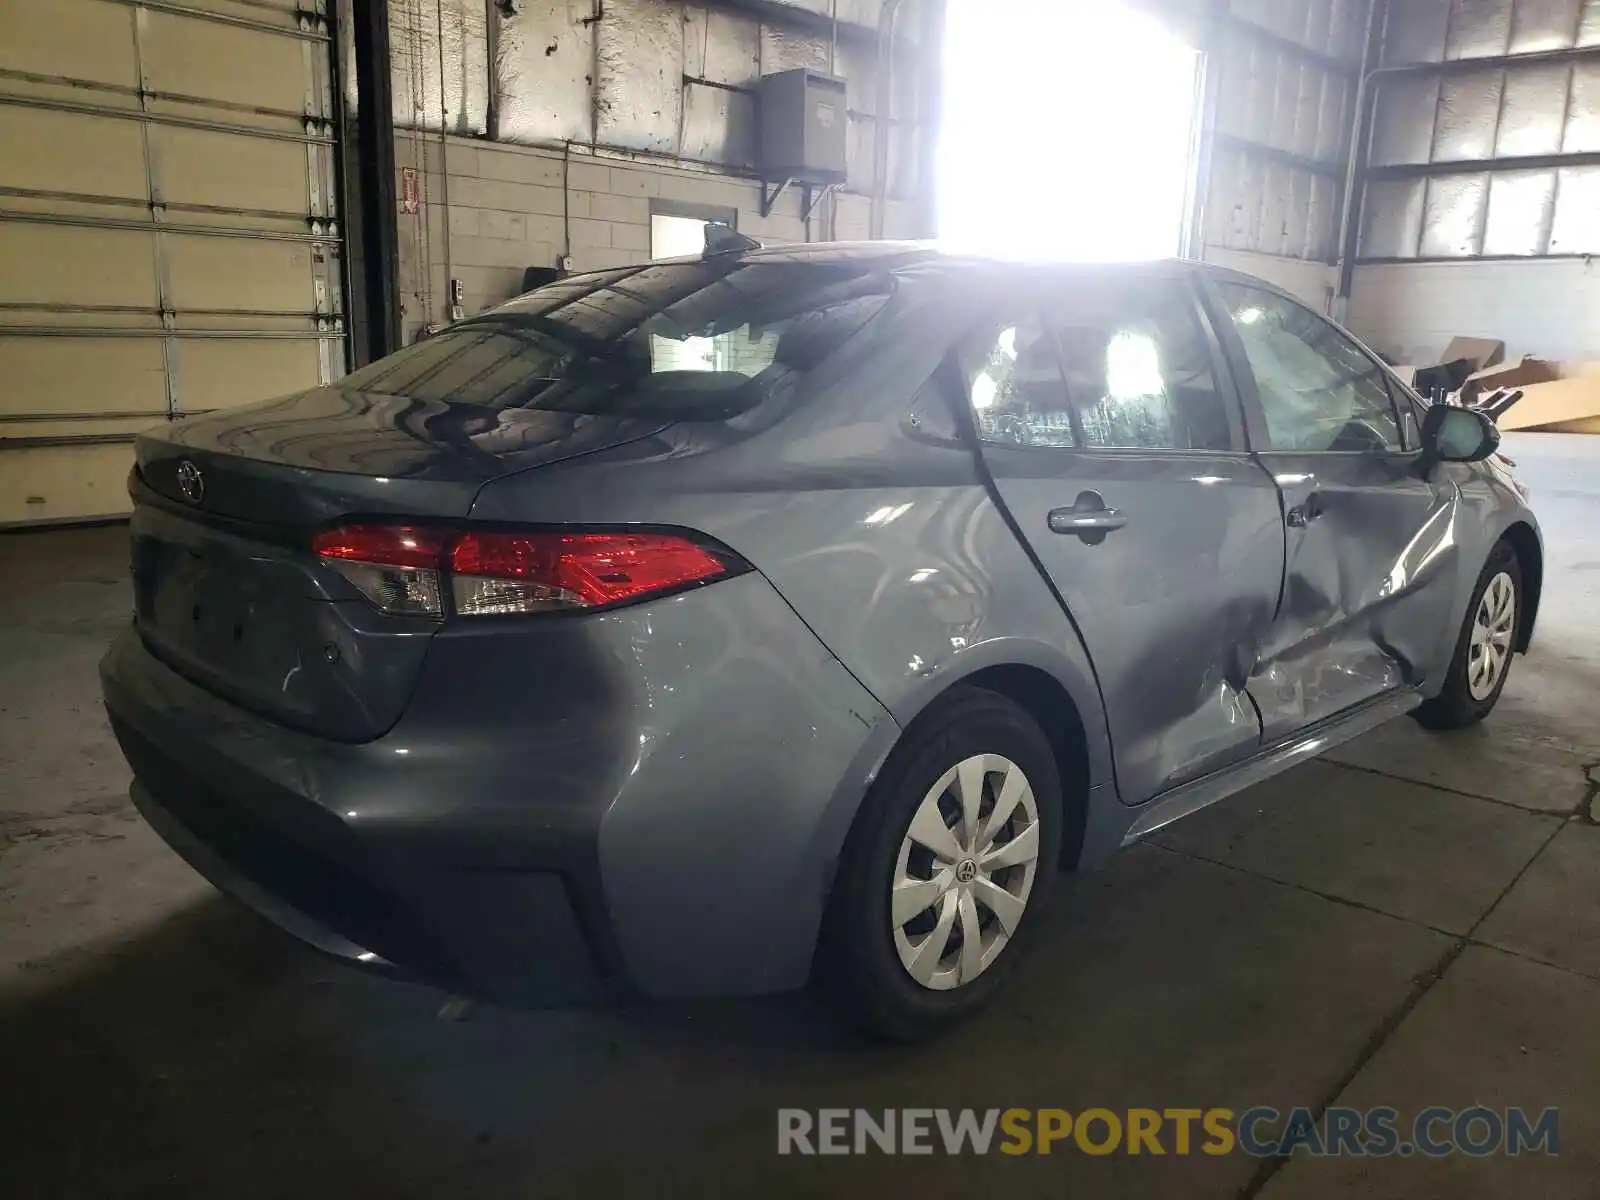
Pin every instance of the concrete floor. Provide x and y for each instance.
(1416, 922)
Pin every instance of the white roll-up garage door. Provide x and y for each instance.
(168, 229)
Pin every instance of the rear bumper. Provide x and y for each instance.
(644, 801)
(359, 895)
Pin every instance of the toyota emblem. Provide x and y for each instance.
(190, 482)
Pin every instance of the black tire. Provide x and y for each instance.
(1455, 707)
(858, 963)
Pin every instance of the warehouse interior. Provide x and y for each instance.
(205, 203)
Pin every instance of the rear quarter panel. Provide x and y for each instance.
(868, 513)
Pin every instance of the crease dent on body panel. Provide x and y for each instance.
(1426, 561)
(1189, 746)
(1344, 599)
(1428, 548)
(1320, 601)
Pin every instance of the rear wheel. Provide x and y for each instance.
(951, 858)
(1484, 649)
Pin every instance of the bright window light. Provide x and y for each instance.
(985, 391)
(1067, 127)
(1133, 367)
(676, 237)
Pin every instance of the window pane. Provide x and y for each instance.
(674, 237)
(585, 344)
(1139, 370)
(1319, 391)
(1014, 382)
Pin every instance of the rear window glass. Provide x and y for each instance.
(590, 344)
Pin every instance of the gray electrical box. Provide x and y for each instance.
(802, 127)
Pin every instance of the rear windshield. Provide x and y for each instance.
(592, 344)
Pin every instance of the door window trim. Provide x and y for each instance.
(1249, 390)
(1221, 366)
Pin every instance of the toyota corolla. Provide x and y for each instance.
(721, 624)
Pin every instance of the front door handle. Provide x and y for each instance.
(1302, 515)
(1088, 518)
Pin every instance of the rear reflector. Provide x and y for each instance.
(394, 566)
(493, 572)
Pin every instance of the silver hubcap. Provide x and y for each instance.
(1490, 650)
(965, 870)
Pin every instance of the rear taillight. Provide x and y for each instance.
(406, 569)
(534, 572)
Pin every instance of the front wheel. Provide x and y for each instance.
(1484, 650)
(952, 856)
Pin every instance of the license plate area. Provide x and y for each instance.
(256, 623)
(206, 603)
(217, 602)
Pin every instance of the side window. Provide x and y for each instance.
(1138, 369)
(1013, 378)
(1319, 390)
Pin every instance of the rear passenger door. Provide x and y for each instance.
(1368, 543)
(1112, 439)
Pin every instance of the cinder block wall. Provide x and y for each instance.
(1545, 307)
(1313, 283)
(499, 209)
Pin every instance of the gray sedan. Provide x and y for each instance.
(723, 624)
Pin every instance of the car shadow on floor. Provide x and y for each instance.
(211, 1054)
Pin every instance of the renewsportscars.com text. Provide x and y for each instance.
(1260, 1132)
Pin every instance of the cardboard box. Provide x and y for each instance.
(1480, 352)
(1408, 375)
(1566, 401)
(1519, 372)
(1587, 425)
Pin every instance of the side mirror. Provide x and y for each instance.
(1452, 434)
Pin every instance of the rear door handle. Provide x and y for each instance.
(1088, 518)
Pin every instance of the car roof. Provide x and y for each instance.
(925, 252)
(898, 255)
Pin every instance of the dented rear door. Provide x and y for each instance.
(1114, 443)
(1369, 543)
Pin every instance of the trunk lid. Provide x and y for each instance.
(313, 457)
(227, 590)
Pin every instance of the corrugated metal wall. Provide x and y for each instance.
(676, 78)
(1288, 77)
(661, 77)
(1487, 143)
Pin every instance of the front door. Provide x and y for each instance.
(1368, 545)
(1119, 454)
